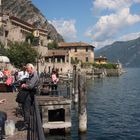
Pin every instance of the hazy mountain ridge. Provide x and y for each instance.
(26, 11)
(127, 52)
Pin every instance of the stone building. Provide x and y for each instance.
(69, 54)
(78, 51)
(58, 59)
(15, 29)
(101, 60)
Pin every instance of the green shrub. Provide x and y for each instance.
(106, 66)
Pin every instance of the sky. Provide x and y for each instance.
(97, 22)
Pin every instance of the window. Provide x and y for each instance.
(46, 59)
(75, 49)
(56, 115)
(6, 33)
(86, 59)
(58, 60)
(86, 49)
(71, 59)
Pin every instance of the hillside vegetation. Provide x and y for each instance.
(127, 52)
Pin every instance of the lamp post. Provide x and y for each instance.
(36, 35)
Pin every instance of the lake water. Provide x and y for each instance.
(113, 108)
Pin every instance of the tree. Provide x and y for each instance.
(2, 49)
(21, 54)
(52, 45)
(31, 39)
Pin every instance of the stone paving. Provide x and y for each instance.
(9, 106)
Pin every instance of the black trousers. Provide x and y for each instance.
(54, 89)
(27, 107)
(54, 86)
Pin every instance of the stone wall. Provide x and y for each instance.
(62, 67)
(113, 72)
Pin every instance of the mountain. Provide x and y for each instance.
(127, 52)
(25, 10)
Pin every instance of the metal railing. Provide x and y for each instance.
(63, 88)
(36, 130)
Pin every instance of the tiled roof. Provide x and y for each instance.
(21, 21)
(27, 24)
(100, 58)
(73, 44)
(56, 53)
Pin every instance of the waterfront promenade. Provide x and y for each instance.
(10, 108)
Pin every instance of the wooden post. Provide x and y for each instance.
(76, 88)
(75, 84)
(68, 90)
(83, 136)
(82, 112)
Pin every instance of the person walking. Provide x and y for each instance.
(30, 87)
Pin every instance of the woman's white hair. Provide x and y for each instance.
(30, 65)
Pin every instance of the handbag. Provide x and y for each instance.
(21, 96)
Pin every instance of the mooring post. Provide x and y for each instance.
(73, 80)
(75, 84)
(82, 111)
(68, 90)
